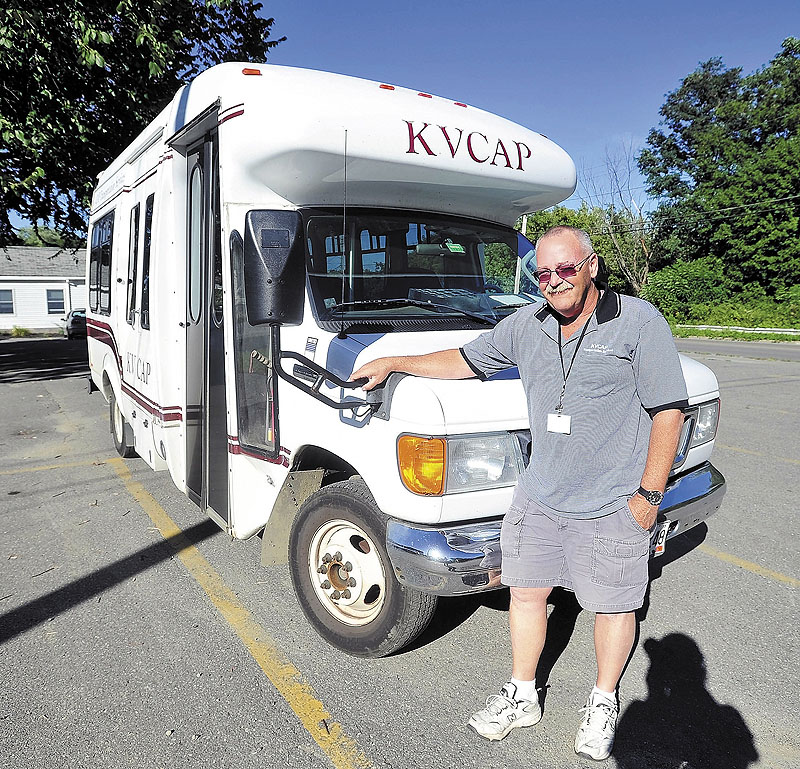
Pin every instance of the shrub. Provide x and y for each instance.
(19, 331)
(677, 288)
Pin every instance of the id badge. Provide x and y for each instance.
(559, 423)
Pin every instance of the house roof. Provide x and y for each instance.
(41, 262)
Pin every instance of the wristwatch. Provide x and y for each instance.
(653, 497)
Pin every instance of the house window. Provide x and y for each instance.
(55, 301)
(6, 301)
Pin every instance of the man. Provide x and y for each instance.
(605, 396)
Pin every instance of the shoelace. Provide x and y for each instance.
(497, 703)
(599, 715)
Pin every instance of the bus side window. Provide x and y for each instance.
(100, 265)
(133, 258)
(144, 316)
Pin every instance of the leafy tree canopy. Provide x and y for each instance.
(79, 80)
(724, 165)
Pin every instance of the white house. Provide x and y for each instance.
(39, 286)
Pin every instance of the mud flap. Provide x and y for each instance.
(296, 489)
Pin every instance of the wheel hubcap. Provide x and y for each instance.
(347, 573)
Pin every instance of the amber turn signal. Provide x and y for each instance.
(422, 464)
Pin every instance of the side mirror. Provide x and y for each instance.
(274, 267)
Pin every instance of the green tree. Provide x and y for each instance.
(724, 164)
(79, 80)
(596, 221)
(45, 236)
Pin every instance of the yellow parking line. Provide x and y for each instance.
(342, 750)
(758, 453)
(749, 565)
(39, 468)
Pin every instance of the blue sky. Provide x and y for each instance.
(589, 75)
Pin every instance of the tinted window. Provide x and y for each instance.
(133, 258)
(148, 234)
(100, 265)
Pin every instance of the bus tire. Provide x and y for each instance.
(121, 431)
(343, 577)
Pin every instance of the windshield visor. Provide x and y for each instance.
(380, 267)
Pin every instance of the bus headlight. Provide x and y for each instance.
(705, 428)
(435, 466)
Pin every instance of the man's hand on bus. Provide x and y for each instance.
(446, 364)
(375, 371)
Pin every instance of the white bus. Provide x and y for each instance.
(270, 231)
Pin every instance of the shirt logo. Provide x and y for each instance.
(602, 349)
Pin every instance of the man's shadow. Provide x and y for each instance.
(680, 724)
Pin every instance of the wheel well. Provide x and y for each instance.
(317, 458)
(106, 387)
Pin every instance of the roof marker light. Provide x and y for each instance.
(251, 71)
(459, 104)
(426, 95)
(387, 87)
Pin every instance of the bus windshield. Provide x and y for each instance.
(386, 267)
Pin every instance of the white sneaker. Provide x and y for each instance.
(503, 712)
(595, 736)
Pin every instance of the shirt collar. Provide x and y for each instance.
(608, 308)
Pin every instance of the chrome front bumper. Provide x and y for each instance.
(455, 560)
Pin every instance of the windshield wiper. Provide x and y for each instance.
(364, 303)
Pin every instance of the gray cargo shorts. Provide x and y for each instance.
(602, 560)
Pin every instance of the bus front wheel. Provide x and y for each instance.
(343, 577)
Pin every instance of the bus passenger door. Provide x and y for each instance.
(206, 424)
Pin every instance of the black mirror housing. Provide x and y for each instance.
(274, 268)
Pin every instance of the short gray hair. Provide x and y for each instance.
(580, 235)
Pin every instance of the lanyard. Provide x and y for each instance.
(574, 355)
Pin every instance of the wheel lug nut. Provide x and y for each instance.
(351, 582)
(346, 594)
(326, 558)
(348, 566)
(336, 595)
(323, 569)
(325, 585)
(337, 556)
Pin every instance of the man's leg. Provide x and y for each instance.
(613, 640)
(528, 621)
(518, 703)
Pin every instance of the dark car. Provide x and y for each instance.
(75, 324)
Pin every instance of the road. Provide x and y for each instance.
(127, 644)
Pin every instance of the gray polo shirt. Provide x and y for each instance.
(626, 370)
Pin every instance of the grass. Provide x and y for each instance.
(686, 333)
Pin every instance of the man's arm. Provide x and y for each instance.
(664, 436)
(446, 364)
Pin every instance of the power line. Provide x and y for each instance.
(715, 213)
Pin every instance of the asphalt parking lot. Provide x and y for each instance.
(135, 633)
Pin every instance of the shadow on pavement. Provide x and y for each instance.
(28, 360)
(680, 724)
(40, 610)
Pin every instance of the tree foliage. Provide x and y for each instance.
(610, 229)
(79, 80)
(724, 165)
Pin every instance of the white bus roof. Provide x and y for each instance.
(282, 144)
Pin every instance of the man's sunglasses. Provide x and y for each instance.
(564, 271)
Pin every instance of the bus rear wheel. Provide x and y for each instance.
(121, 431)
(343, 577)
